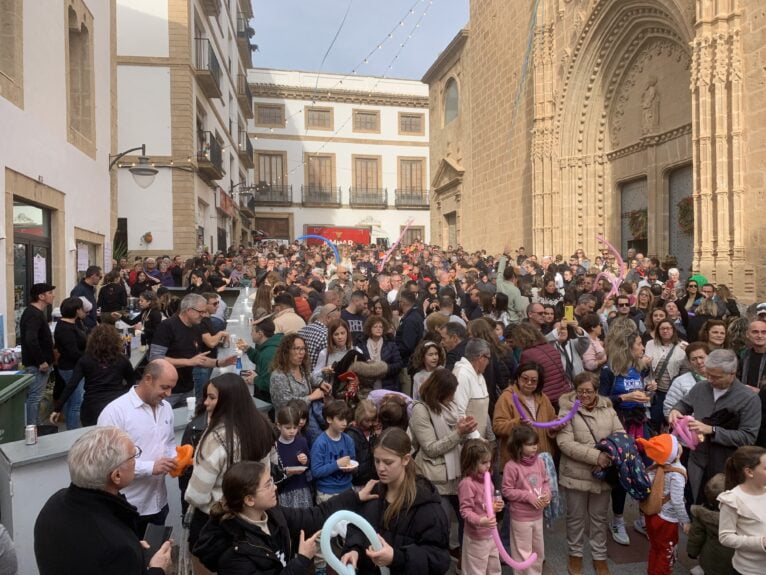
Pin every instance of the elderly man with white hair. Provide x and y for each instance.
(89, 528)
(471, 395)
(726, 412)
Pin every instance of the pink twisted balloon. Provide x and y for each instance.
(681, 430)
(615, 281)
(507, 559)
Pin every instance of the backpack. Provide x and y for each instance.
(653, 504)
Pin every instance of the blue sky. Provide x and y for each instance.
(295, 34)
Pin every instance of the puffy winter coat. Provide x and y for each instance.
(237, 547)
(703, 543)
(419, 535)
(578, 446)
(555, 382)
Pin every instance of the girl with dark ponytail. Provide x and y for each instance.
(742, 524)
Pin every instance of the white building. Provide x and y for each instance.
(181, 90)
(55, 117)
(339, 152)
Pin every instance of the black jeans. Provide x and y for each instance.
(156, 519)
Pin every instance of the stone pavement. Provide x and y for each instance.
(623, 560)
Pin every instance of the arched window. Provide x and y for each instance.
(451, 101)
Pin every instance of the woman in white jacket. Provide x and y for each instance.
(696, 354)
(742, 524)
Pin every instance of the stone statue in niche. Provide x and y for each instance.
(650, 107)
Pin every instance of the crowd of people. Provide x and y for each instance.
(395, 383)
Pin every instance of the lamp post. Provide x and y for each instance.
(143, 173)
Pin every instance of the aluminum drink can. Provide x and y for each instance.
(30, 434)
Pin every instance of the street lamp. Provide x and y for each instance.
(143, 172)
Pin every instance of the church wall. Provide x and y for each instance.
(753, 155)
(498, 209)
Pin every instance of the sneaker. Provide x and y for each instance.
(640, 527)
(619, 534)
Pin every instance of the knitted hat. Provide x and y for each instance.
(662, 449)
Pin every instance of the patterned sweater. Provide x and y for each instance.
(210, 463)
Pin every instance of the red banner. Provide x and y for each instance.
(337, 234)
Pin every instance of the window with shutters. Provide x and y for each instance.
(271, 168)
(269, 115)
(320, 172)
(319, 118)
(412, 174)
(412, 124)
(367, 174)
(11, 51)
(367, 121)
(80, 77)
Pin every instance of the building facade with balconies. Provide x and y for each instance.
(182, 90)
(334, 152)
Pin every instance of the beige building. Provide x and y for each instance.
(180, 73)
(642, 120)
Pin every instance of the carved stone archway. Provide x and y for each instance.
(592, 129)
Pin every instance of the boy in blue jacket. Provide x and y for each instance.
(332, 453)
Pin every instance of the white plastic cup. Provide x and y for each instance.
(191, 405)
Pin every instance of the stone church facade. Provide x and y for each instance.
(556, 121)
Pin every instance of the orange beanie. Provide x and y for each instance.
(662, 449)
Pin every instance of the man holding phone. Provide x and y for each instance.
(88, 527)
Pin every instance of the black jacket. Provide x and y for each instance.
(237, 547)
(389, 354)
(409, 334)
(419, 536)
(103, 384)
(112, 297)
(88, 532)
(70, 341)
(35, 338)
(363, 448)
(84, 289)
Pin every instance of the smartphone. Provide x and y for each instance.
(155, 536)
(568, 313)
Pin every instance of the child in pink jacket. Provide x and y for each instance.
(526, 487)
(480, 555)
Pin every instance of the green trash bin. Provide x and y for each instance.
(13, 393)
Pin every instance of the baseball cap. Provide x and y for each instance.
(41, 288)
(761, 308)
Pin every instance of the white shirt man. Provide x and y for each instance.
(471, 395)
(147, 418)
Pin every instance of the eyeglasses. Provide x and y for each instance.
(269, 485)
(623, 305)
(585, 392)
(692, 285)
(136, 455)
(199, 310)
(486, 356)
(526, 379)
(298, 348)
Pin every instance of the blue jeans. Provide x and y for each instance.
(201, 376)
(72, 406)
(35, 393)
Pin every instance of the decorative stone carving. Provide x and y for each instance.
(650, 107)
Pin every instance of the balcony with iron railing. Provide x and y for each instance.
(244, 33)
(266, 194)
(209, 157)
(368, 198)
(244, 96)
(245, 149)
(207, 70)
(412, 199)
(320, 196)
